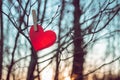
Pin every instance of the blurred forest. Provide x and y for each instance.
(87, 45)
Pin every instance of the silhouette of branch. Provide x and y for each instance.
(44, 11)
(43, 69)
(108, 21)
(102, 66)
(55, 15)
(12, 61)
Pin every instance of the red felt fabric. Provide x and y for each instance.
(41, 39)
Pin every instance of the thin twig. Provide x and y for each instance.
(102, 66)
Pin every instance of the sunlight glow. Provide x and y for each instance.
(67, 78)
(47, 74)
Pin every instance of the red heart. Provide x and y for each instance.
(41, 39)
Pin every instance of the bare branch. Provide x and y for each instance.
(102, 66)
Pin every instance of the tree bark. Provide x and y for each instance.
(78, 59)
(31, 68)
(1, 40)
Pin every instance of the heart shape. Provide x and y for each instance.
(41, 39)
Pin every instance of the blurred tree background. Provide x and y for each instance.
(87, 45)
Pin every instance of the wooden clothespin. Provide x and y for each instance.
(34, 19)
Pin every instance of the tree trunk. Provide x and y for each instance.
(78, 59)
(1, 40)
(31, 69)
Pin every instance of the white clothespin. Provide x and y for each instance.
(34, 19)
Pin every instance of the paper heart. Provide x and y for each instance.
(41, 39)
